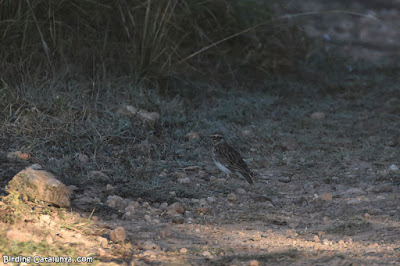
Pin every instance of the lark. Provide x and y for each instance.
(228, 160)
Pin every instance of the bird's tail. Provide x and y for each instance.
(247, 176)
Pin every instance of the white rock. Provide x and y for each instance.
(394, 168)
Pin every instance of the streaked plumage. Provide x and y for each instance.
(228, 160)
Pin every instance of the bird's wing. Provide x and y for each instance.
(234, 159)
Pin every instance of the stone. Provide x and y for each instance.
(117, 202)
(150, 245)
(254, 263)
(192, 169)
(211, 199)
(183, 251)
(118, 234)
(41, 185)
(382, 188)
(393, 168)
(317, 116)
(18, 155)
(202, 202)
(184, 180)
(176, 207)
(327, 197)
(178, 219)
(82, 158)
(232, 197)
(290, 144)
(202, 211)
(192, 136)
(164, 206)
(36, 166)
(284, 179)
(207, 254)
(240, 191)
(354, 192)
(213, 178)
(246, 132)
(98, 176)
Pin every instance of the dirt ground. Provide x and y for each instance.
(327, 185)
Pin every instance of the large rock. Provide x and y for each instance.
(40, 185)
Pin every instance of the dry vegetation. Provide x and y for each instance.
(69, 66)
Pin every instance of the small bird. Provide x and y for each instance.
(228, 160)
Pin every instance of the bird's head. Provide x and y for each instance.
(217, 137)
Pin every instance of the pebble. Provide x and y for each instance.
(207, 254)
(184, 180)
(246, 132)
(203, 202)
(353, 201)
(115, 201)
(254, 263)
(354, 191)
(163, 206)
(183, 251)
(150, 253)
(177, 219)
(382, 188)
(284, 179)
(177, 207)
(335, 179)
(290, 144)
(232, 197)
(211, 199)
(83, 158)
(240, 191)
(118, 234)
(394, 168)
(36, 166)
(318, 115)
(327, 197)
(202, 211)
(192, 135)
(150, 245)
